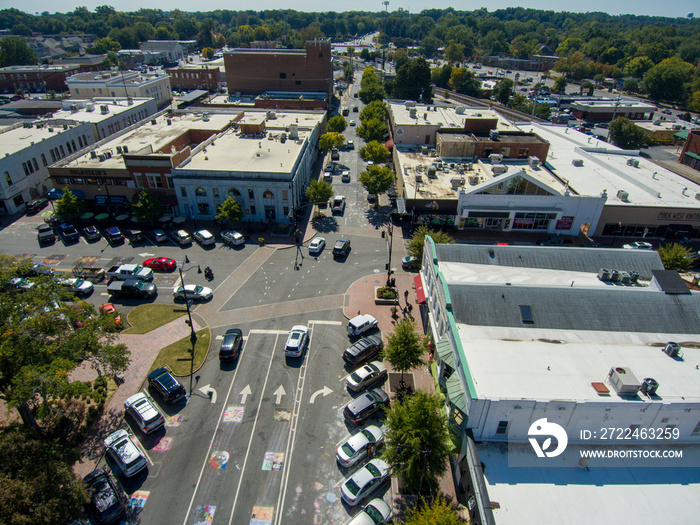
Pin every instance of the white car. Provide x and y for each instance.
(366, 376)
(376, 512)
(232, 238)
(296, 341)
(317, 245)
(181, 237)
(364, 482)
(144, 412)
(638, 246)
(77, 286)
(124, 452)
(204, 237)
(352, 122)
(193, 291)
(359, 446)
(338, 204)
(345, 177)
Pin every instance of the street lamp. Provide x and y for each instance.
(390, 233)
(109, 198)
(193, 334)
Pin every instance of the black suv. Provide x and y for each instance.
(341, 248)
(363, 350)
(163, 382)
(359, 410)
(231, 345)
(106, 500)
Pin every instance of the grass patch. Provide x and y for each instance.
(177, 356)
(148, 317)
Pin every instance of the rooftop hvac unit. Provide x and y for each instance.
(493, 134)
(672, 349)
(153, 122)
(104, 109)
(623, 381)
(424, 150)
(129, 101)
(102, 157)
(410, 104)
(460, 110)
(604, 274)
(495, 158)
(432, 172)
(676, 127)
(65, 127)
(50, 130)
(125, 149)
(109, 154)
(534, 162)
(90, 107)
(457, 182)
(473, 180)
(412, 112)
(93, 154)
(625, 277)
(499, 168)
(615, 276)
(623, 195)
(419, 178)
(119, 149)
(205, 116)
(633, 162)
(577, 162)
(170, 122)
(697, 196)
(649, 386)
(293, 131)
(73, 108)
(657, 122)
(634, 277)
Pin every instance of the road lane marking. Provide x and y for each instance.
(279, 394)
(245, 393)
(324, 391)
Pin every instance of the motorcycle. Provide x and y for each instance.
(208, 274)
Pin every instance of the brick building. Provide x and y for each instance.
(36, 78)
(187, 78)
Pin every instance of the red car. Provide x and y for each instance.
(160, 263)
(109, 309)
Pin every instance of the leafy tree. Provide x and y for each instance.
(207, 53)
(104, 45)
(589, 86)
(440, 76)
(319, 191)
(599, 79)
(560, 85)
(413, 81)
(454, 52)
(638, 66)
(439, 510)
(372, 129)
(371, 88)
(230, 211)
(668, 80)
(414, 246)
(37, 483)
(146, 207)
(376, 109)
(405, 347)
(337, 124)
(429, 46)
(364, 54)
(331, 140)
(503, 90)
(348, 71)
(375, 151)
(69, 206)
(377, 179)
(630, 85)
(416, 442)
(625, 134)
(677, 257)
(14, 51)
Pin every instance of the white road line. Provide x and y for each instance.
(211, 443)
(262, 331)
(323, 321)
(250, 440)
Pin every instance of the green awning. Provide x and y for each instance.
(444, 350)
(455, 393)
(681, 135)
(692, 155)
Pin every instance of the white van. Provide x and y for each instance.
(360, 324)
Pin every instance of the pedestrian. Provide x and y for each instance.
(410, 307)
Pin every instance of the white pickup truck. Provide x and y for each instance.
(129, 271)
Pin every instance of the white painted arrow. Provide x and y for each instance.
(209, 391)
(147, 254)
(325, 391)
(278, 394)
(245, 393)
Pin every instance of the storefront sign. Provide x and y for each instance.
(565, 223)
(693, 216)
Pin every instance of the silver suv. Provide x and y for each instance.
(144, 412)
(181, 237)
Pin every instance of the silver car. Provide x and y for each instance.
(359, 446)
(124, 452)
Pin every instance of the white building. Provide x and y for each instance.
(133, 84)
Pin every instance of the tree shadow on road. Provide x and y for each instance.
(378, 216)
(325, 224)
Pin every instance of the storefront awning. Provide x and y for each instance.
(420, 294)
(401, 206)
(444, 350)
(455, 393)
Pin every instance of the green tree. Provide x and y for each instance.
(560, 85)
(416, 442)
(371, 88)
(319, 191)
(147, 207)
(377, 179)
(503, 90)
(372, 129)
(429, 46)
(675, 256)
(630, 85)
(413, 81)
(331, 140)
(364, 54)
(229, 212)
(405, 347)
(14, 51)
(669, 80)
(625, 134)
(599, 79)
(375, 151)
(376, 109)
(37, 483)
(439, 510)
(337, 124)
(638, 66)
(454, 52)
(414, 246)
(207, 53)
(348, 71)
(69, 206)
(440, 76)
(587, 86)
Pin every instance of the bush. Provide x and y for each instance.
(281, 229)
(387, 292)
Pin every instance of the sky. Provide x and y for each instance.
(679, 8)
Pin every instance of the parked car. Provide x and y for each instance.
(232, 238)
(345, 177)
(169, 388)
(362, 407)
(296, 341)
(160, 263)
(359, 446)
(316, 245)
(338, 205)
(181, 237)
(144, 412)
(193, 292)
(159, 236)
(40, 269)
(410, 263)
(107, 502)
(341, 248)
(231, 344)
(20, 284)
(204, 238)
(329, 168)
(367, 375)
(360, 324)
(364, 482)
(555, 241)
(76, 285)
(45, 233)
(363, 350)
(124, 453)
(132, 288)
(638, 245)
(350, 144)
(91, 233)
(352, 122)
(115, 235)
(36, 205)
(69, 233)
(376, 512)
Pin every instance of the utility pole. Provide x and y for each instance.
(386, 15)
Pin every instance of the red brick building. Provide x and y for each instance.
(36, 78)
(195, 78)
(690, 156)
(254, 71)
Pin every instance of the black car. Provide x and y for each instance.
(169, 388)
(114, 235)
(69, 233)
(363, 350)
(107, 503)
(361, 408)
(36, 205)
(231, 345)
(132, 288)
(341, 248)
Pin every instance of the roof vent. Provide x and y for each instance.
(577, 162)
(498, 169)
(649, 386)
(496, 158)
(633, 162)
(673, 350)
(623, 381)
(623, 195)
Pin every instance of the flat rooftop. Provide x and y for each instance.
(604, 167)
(15, 137)
(89, 110)
(592, 105)
(443, 117)
(665, 125)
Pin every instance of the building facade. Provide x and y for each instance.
(133, 84)
(188, 78)
(37, 78)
